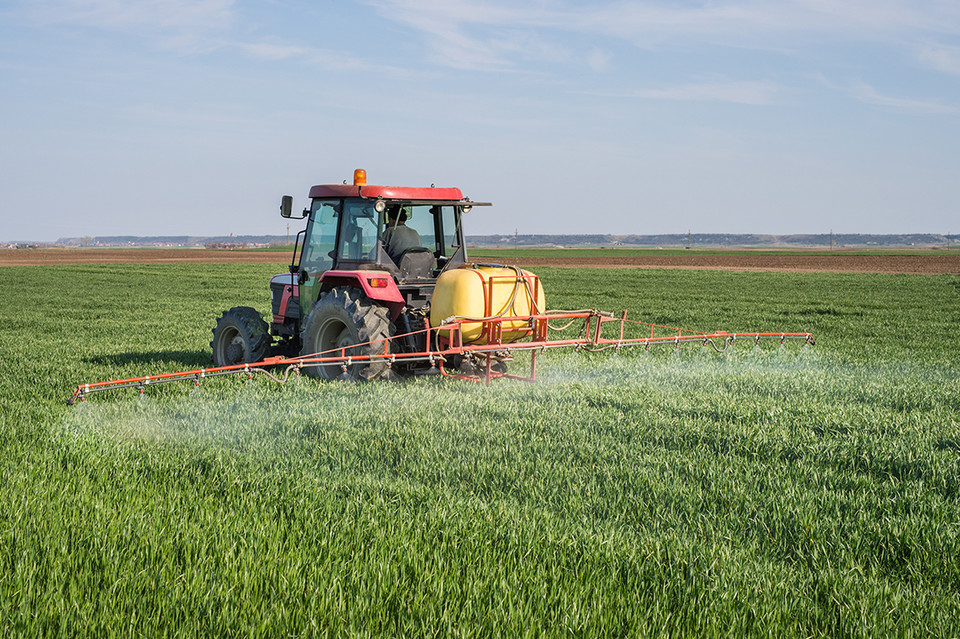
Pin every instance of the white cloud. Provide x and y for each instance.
(940, 57)
(494, 35)
(734, 92)
(177, 24)
(599, 60)
(186, 26)
(645, 23)
(857, 19)
(478, 36)
(866, 93)
(883, 15)
(456, 28)
(330, 59)
(751, 93)
(122, 14)
(273, 52)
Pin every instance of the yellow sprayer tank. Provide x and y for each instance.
(486, 291)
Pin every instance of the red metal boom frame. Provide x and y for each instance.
(594, 334)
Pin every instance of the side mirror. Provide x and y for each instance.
(286, 206)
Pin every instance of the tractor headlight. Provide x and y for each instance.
(380, 206)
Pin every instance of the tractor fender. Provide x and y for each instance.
(284, 288)
(376, 285)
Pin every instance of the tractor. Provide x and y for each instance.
(379, 286)
(363, 271)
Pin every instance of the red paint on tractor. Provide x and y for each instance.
(389, 294)
(386, 192)
(290, 290)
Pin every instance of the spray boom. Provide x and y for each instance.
(594, 331)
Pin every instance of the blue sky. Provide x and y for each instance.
(193, 118)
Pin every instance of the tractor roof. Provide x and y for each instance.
(386, 192)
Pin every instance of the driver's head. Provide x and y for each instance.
(396, 214)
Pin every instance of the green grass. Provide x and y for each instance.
(765, 492)
(287, 248)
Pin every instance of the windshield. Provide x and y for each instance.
(430, 227)
(353, 230)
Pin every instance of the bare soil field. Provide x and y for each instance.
(840, 263)
(35, 257)
(932, 264)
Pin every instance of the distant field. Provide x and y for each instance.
(927, 261)
(775, 491)
(881, 261)
(680, 251)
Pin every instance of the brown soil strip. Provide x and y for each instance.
(933, 264)
(919, 264)
(33, 257)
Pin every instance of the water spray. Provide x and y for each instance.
(480, 363)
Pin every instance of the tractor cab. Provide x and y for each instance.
(386, 245)
(409, 241)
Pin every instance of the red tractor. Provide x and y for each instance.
(363, 270)
(380, 285)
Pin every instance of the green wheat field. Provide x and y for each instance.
(773, 491)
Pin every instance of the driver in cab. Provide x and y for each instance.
(398, 237)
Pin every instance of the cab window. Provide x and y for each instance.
(449, 225)
(358, 238)
(435, 226)
(321, 236)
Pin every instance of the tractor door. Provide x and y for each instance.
(358, 247)
(318, 250)
(452, 246)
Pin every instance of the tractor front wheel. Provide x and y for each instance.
(240, 337)
(345, 319)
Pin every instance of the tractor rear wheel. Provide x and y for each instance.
(344, 319)
(240, 337)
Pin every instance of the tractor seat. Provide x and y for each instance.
(416, 263)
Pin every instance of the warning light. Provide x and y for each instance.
(359, 177)
(379, 282)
